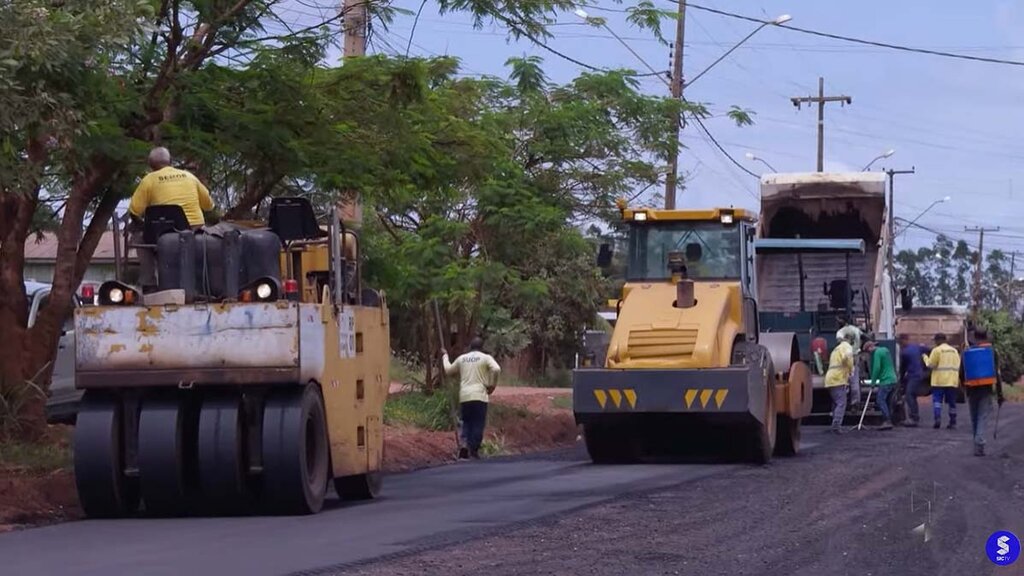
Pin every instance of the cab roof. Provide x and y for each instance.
(705, 215)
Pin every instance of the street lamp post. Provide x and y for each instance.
(761, 160)
(677, 85)
(932, 205)
(885, 154)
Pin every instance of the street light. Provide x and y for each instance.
(582, 14)
(932, 205)
(761, 160)
(777, 22)
(885, 154)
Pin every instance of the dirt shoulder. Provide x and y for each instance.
(37, 483)
(908, 501)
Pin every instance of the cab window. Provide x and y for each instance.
(711, 250)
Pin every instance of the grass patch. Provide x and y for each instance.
(499, 414)
(562, 402)
(34, 457)
(430, 412)
(407, 372)
(496, 445)
(553, 379)
(1013, 393)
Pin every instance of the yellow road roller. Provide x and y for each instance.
(252, 375)
(687, 371)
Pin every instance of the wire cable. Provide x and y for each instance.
(851, 39)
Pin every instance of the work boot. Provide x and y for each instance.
(979, 450)
(951, 425)
(886, 425)
(937, 424)
(463, 453)
(474, 454)
(837, 430)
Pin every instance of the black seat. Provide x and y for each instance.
(161, 219)
(292, 218)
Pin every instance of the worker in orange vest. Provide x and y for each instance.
(981, 375)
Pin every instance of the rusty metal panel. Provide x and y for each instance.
(234, 335)
(311, 333)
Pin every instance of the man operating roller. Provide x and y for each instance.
(478, 375)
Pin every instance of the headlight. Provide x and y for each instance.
(639, 216)
(265, 289)
(114, 293)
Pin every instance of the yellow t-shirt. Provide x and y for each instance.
(172, 186)
(476, 371)
(840, 365)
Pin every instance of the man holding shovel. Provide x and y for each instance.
(478, 376)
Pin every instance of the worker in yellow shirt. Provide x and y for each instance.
(478, 373)
(165, 185)
(837, 379)
(944, 362)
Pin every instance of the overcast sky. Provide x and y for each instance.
(955, 121)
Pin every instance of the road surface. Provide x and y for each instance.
(848, 505)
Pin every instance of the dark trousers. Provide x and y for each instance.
(913, 411)
(947, 395)
(474, 419)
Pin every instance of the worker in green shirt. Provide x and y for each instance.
(883, 376)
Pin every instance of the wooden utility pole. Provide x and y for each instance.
(820, 100)
(676, 119)
(354, 24)
(976, 297)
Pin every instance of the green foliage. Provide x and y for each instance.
(420, 410)
(34, 457)
(1007, 336)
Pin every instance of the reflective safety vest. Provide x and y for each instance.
(979, 366)
(944, 363)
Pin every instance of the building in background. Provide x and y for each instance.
(41, 258)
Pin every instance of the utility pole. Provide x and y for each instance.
(820, 100)
(676, 119)
(976, 297)
(354, 24)
(892, 217)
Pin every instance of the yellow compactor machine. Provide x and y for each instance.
(687, 370)
(253, 375)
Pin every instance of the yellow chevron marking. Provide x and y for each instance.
(720, 397)
(690, 396)
(705, 395)
(630, 396)
(602, 398)
(616, 397)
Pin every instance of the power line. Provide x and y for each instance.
(863, 41)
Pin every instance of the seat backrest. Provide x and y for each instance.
(292, 218)
(161, 219)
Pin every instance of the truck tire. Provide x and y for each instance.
(295, 451)
(167, 454)
(359, 486)
(222, 455)
(103, 489)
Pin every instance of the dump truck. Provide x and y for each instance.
(687, 371)
(822, 240)
(250, 377)
(922, 323)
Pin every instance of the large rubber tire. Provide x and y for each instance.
(787, 441)
(222, 455)
(609, 444)
(167, 455)
(764, 432)
(103, 489)
(359, 486)
(295, 451)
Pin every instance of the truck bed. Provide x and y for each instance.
(779, 279)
